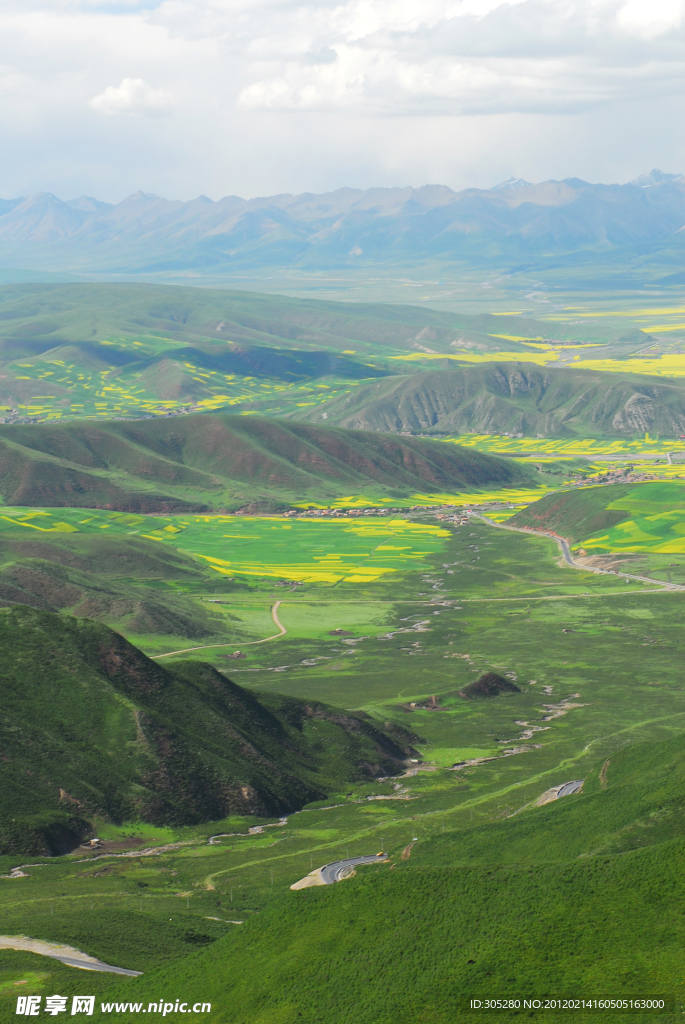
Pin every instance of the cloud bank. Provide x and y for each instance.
(261, 96)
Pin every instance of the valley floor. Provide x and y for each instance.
(596, 660)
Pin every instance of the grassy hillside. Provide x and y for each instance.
(37, 318)
(195, 463)
(576, 899)
(498, 398)
(93, 727)
(578, 513)
(650, 514)
(639, 527)
(126, 350)
(133, 584)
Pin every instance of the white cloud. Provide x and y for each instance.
(479, 56)
(262, 96)
(133, 96)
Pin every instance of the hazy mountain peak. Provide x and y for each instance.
(137, 196)
(510, 183)
(654, 177)
(88, 204)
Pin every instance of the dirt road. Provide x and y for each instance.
(65, 954)
(206, 647)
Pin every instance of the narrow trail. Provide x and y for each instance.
(206, 647)
(566, 552)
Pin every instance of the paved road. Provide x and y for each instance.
(570, 787)
(340, 869)
(563, 544)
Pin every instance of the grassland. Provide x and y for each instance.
(174, 581)
(390, 616)
(641, 526)
(125, 351)
(484, 599)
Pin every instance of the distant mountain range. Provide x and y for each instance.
(515, 220)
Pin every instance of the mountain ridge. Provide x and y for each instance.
(499, 398)
(107, 731)
(146, 233)
(210, 462)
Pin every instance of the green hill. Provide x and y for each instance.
(633, 526)
(578, 513)
(37, 318)
(657, 506)
(130, 583)
(498, 398)
(578, 898)
(196, 463)
(120, 350)
(90, 726)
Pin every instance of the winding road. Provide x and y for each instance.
(340, 869)
(206, 647)
(570, 787)
(568, 557)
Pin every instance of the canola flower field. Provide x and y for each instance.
(317, 551)
(111, 393)
(570, 448)
(656, 526)
(667, 364)
(516, 497)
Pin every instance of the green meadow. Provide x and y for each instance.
(638, 526)
(326, 551)
(475, 599)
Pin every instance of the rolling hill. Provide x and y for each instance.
(91, 726)
(126, 351)
(39, 318)
(575, 899)
(346, 228)
(498, 398)
(579, 513)
(122, 581)
(198, 463)
(628, 519)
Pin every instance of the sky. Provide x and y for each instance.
(258, 97)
